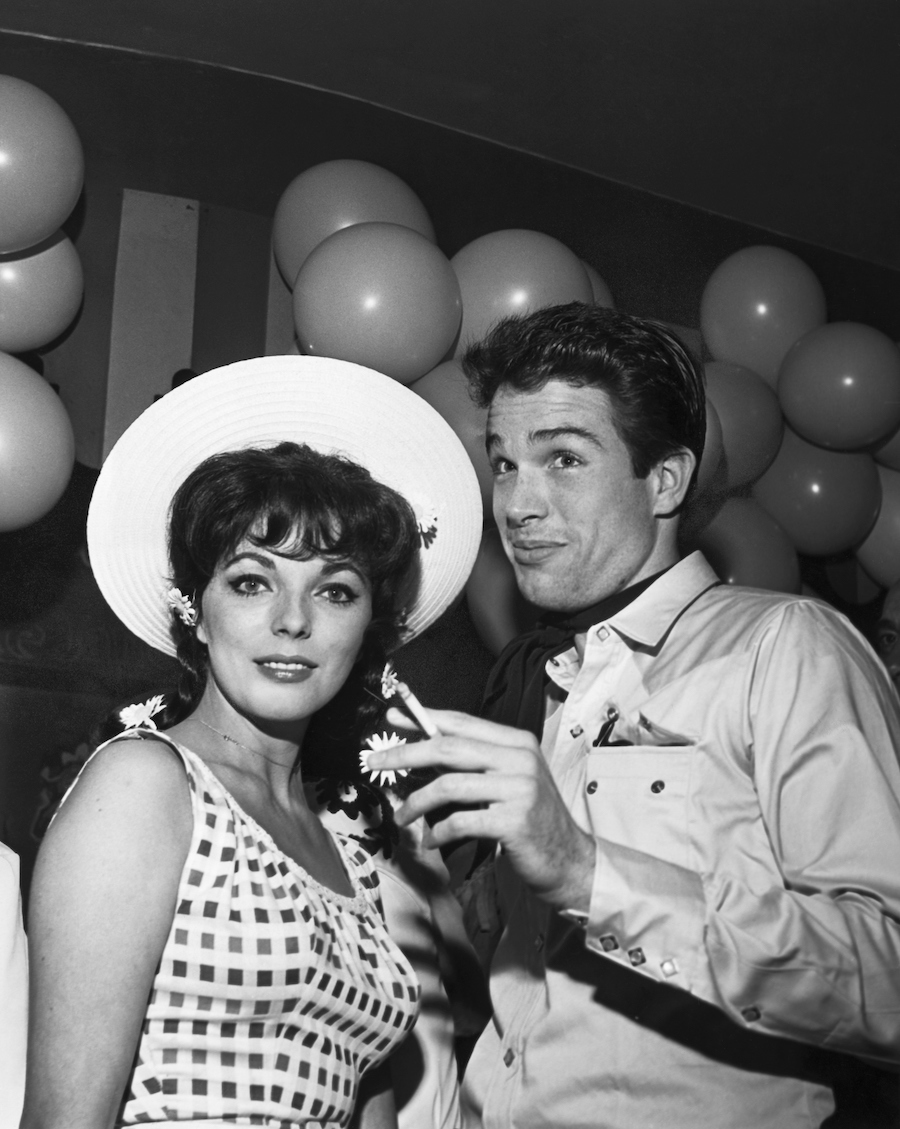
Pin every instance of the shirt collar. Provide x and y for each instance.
(648, 619)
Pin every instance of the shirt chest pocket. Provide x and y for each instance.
(638, 796)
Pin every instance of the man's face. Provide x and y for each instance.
(575, 521)
(887, 634)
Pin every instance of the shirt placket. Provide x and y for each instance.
(567, 737)
(590, 708)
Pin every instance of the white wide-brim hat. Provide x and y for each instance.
(334, 406)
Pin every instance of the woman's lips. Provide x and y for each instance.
(284, 668)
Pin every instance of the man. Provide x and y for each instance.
(699, 856)
(887, 633)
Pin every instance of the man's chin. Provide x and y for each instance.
(548, 592)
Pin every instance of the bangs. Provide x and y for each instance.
(295, 501)
(337, 529)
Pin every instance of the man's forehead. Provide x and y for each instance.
(554, 403)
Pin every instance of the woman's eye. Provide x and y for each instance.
(339, 594)
(886, 641)
(248, 585)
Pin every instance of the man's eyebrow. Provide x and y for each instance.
(549, 434)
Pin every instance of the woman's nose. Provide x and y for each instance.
(292, 617)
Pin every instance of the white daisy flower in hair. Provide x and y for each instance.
(377, 743)
(389, 682)
(141, 713)
(182, 606)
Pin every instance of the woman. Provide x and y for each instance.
(203, 950)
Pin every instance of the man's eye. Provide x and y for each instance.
(565, 459)
(886, 641)
(501, 466)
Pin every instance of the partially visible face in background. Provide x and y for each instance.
(887, 633)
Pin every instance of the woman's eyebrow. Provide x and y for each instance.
(260, 558)
(329, 568)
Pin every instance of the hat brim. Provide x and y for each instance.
(334, 406)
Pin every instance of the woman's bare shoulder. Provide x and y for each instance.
(136, 778)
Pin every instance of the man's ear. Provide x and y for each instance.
(672, 476)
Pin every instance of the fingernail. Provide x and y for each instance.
(375, 760)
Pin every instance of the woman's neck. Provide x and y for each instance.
(268, 751)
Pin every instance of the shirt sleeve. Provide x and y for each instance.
(804, 940)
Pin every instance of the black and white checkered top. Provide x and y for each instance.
(274, 994)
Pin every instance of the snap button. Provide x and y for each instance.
(576, 730)
(592, 787)
(751, 1014)
(612, 716)
(669, 967)
(508, 1058)
(539, 942)
(657, 785)
(636, 956)
(602, 634)
(608, 943)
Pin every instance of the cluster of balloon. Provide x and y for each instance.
(357, 248)
(808, 409)
(379, 294)
(512, 272)
(41, 287)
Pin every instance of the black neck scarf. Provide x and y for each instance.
(515, 691)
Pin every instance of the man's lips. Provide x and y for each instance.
(533, 552)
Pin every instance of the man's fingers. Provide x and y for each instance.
(455, 753)
(465, 788)
(456, 724)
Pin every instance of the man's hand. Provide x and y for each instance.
(500, 777)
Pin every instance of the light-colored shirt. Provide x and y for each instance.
(745, 913)
(13, 992)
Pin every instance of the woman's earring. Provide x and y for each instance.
(182, 606)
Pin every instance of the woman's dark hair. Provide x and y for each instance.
(302, 503)
(654, 384)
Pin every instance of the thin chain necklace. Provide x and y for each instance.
(231, 740)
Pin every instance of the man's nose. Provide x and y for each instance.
(522, 500)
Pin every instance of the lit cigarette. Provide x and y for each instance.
(418, 711)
